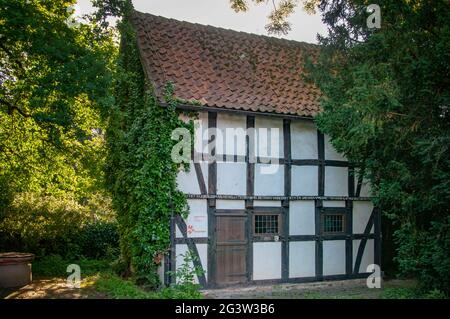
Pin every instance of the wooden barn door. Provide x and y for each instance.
(231, 249)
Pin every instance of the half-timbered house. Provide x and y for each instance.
(272, 201)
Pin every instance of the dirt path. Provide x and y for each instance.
(53, 288)
(345, 289)
(56, 288)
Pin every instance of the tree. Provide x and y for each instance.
(55, 83)
(55, 76)
(386, 94)
(282, 9)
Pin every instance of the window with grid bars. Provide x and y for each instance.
(266, 224)
(333, 223)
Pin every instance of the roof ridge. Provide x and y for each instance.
(207, 26)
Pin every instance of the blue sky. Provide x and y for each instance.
(218, 13)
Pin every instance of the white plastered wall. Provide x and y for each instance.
(266, 260)
(197, 220)
(266, 142)
(304, 180)
(230, 138)
(368, 255)
(187, 181)
(303, 140)
(269, 179)
(336, 181)
(333, 257)
(365, 187)
(301, 218)
(333, 203)
(361, 215)
(266, 203)
(302, 256)
(231, 178)
(230, 204)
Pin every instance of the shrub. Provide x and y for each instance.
(50, 225)
(120, 267)
(186, 291)
(118, 288)
(185, 287)
(42, 224)
(56, 266)
(424, 254)
(99, 205)
(398, 293)
(99, 240)
(434, 294)
(414, 292)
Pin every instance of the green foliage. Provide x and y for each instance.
(185, 286)
(99, 239)
(42, 224)
(187, 291)
(120, 267)
(398, 293)
(48, 62)
(282, 9)
(56, 266)
(410, 293)
(386, 94)
(55, 78)
(186, 272)
(140, 172)
(430, 249)
(434, 294)
(56, 225)
(118, 288)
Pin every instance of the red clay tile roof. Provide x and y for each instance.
(224, 68)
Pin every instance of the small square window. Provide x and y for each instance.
(333, 223)
(266, 224)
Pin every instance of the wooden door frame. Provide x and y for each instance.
(247, 229)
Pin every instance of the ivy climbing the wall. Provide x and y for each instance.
(141, 174)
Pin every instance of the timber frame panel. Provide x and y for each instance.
(209, 193)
